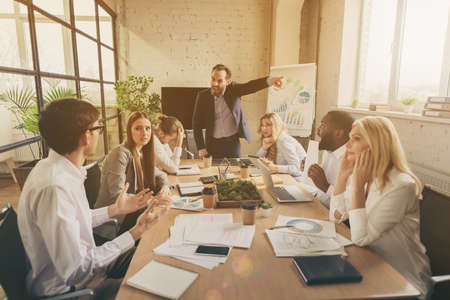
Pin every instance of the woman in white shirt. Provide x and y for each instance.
(382, 201)
(280, 151)
(169, 129)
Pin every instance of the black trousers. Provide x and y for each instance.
(229, 147)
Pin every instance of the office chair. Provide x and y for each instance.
(434, 226)
(14, 264)
(108, 230)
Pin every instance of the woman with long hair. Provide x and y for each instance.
(382, 201)
(169, 129)
(133, 162)
(280, 152)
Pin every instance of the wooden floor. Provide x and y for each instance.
(9, 193)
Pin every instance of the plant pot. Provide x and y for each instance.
(265, 212)
(23, 170)
(408, 108)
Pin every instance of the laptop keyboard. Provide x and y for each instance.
(282, 193)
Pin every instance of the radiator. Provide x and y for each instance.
(429, 176)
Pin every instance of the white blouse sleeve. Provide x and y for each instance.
(388, 212)
(286, 147)
(339, 203)
(165, 159)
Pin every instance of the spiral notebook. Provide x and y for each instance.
(162, 280)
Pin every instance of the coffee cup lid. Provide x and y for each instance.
(250, 205)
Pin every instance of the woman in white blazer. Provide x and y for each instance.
(382, 201)
(169, 129)
(282, 153)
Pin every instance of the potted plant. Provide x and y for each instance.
(22, 103)
(266, 209)
(408, 104)
(355, 103)
(132, 95)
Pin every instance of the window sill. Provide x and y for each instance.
(394, 114)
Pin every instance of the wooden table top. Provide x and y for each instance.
(256, 273)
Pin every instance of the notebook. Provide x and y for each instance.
(162, 280)
(194, 188)
(326, 269)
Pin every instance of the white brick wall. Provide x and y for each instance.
(178, 41)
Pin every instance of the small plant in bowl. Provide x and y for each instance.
(355, 103)
(408, 104)
(266, 209)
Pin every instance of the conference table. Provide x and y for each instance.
(256, 273)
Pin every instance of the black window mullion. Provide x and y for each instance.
(75, 50)
(100, 72)
(36, 67)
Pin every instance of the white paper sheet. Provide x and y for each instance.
(187, 251)
(312, 157)
(288, 244)
(236, 235)
(188, 170)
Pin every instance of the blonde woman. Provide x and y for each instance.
(169, 129)
(382, 201)
(281, 152)
(132, 163)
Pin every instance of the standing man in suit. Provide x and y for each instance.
(218, 109)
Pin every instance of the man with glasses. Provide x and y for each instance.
(54, 218)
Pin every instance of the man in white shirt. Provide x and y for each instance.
(334, 132)
(54, 218)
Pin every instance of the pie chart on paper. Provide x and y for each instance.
(305, 226)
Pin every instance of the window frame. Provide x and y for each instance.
(394, 76)
(38, 74)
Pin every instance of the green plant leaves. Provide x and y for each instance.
(132, 95)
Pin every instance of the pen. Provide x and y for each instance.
(194, 199)
(281, 226)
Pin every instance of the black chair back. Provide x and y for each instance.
(92, 184)
(13, 259)
(434, 227)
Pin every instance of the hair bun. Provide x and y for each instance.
(162, 117)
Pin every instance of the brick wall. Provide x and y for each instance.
(178, 41)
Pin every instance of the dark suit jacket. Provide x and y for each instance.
(204, 113)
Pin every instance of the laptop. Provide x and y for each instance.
(282, 193)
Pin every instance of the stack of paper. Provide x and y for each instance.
(188, 170)
(190, 188)
(306, 237)
(191, 230)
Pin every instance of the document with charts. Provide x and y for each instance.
(305, 226)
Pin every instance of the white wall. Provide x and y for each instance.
(426, 144)
(179, 41)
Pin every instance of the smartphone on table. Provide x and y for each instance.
(212, 250)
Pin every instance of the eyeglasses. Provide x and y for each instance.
(100, 127)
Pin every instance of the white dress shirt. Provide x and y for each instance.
(167, 160)
(55, 224)
(290, 153)
(330, 165)
(389, 225)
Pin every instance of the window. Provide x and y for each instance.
(404, 51)
(50, 48)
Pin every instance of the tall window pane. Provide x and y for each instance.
(423, 45)
(376, 50)
(108, 64)
(18, 115)
(85, 16)
(91, 91)
(87, 57)
(15, 49)
(54, 88)
(106, 33)
(110, 95)
(60, 8)
(54, 46)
